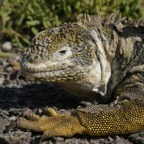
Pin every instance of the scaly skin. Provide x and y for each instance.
(96, 59)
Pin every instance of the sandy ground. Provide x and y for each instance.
(16, 94)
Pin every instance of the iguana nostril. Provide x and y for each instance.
(32, 58)
(35, 57)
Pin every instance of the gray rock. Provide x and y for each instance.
(1, 80)
(7, 46)
(17, 137)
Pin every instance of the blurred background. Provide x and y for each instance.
(20, 20)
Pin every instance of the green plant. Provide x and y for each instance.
(20, 20)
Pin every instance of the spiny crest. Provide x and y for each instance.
(91, 20)
(97, 20)
(135, 23)
(115, 19)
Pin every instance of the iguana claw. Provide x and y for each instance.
(54, 125)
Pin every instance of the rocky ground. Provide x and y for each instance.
(17, 94)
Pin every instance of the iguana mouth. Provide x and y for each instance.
(56, 73)
(42, 67)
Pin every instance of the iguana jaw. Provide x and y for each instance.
(79, 81)
(54, 71)
(51, 71)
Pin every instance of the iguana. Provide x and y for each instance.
(98, 58)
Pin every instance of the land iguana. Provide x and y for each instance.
(99, 58)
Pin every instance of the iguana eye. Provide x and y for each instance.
(63, 52)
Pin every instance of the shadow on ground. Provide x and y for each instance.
(36, 96)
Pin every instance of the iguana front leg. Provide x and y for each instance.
(54, 125)
(126, 116)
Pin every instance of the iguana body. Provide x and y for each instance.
(96, 58)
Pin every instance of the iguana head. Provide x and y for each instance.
(66, 55)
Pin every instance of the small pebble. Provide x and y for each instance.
(1, 80)
(7, 46)
(59, 139)
(12, 118)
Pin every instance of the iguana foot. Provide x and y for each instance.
(54, 125)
